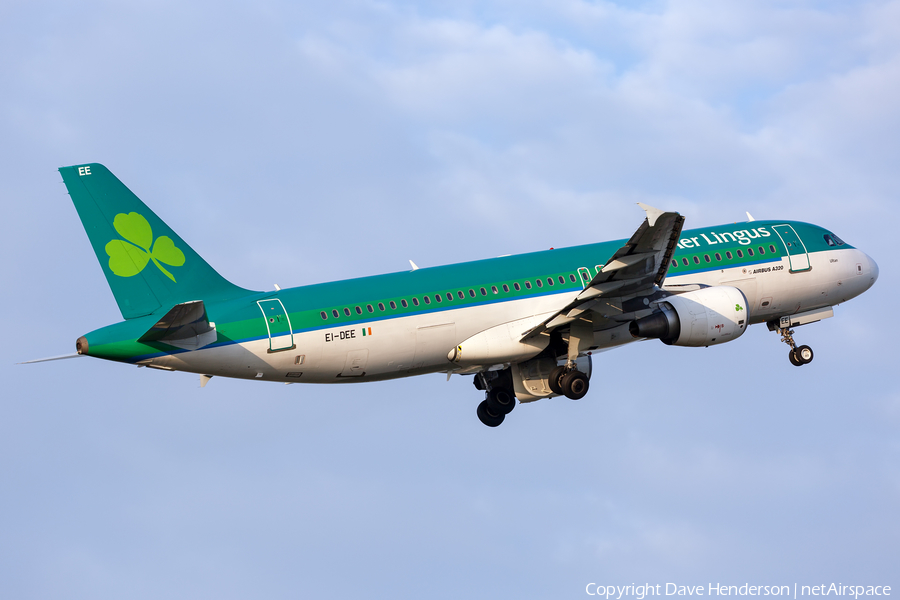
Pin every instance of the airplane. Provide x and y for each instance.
(524, 326)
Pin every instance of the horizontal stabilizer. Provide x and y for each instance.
(37, 360)
(185, 326)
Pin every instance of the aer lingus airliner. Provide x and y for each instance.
(524, 326)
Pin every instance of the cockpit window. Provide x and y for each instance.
(839, 241)
(829, 240)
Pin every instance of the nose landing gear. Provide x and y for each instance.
(798, 355)
(801, 355)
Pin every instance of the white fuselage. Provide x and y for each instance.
(418, 344)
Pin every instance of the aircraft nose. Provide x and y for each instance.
(872, 271)
(868, 270)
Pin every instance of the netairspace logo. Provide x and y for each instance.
(640, 592)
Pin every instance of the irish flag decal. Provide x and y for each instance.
(367, 331)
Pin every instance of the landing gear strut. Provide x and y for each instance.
(798, 355)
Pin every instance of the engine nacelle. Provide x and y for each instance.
(704, 317)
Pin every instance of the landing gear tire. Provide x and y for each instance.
(501, 401)
(555, 379)
(804, 354)
(574, 385)
(801, 355)
(489, 417)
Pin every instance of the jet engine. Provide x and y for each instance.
(704, 317)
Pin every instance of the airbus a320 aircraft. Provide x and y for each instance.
(524, 326)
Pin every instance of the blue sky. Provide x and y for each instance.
(298, 143)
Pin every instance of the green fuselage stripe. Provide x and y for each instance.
(237, 320)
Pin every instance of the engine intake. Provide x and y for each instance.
(705, 317)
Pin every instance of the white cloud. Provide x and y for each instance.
(731, 103)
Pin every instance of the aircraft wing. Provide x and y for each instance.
(635, 269)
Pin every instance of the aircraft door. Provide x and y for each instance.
(584, 275)
(799, 259)
(277, 324)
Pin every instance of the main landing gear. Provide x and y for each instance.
(798, 355)
(567, 381)
(499, 399)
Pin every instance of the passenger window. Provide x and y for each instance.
(562, 279)
(728, 255)
(674, 263)
(772, 249)
(461, 295)
(505, 288)
(358, 310)
(494, 289)
(517, 286)
(347, 311)
(696, 260)
(381, 306)
(527, 285)
(335, 313)
(549, 281)
(449, 296)
(706, 257)
(404, 304)
(684, 261)
(324, 315)
(539, 282)
(483, 292)
(393, 305)
(740, 253)
(415, 301)
(762, 250)
(369, 308)
(718, 256)
(438, 297)
(472, 293)
(749, 251)
(426, 299)
(572, 278)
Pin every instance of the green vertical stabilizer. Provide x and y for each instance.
(147, 265)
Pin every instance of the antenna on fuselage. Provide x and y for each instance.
(750, 217)
(414, 266)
